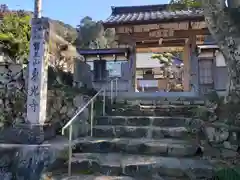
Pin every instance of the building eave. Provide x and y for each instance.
(150, 14)
(208, 46)
(145, 22)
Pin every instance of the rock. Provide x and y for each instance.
(213, 118)
(63, 110)
(71, 111)
(58, 103)
(210, 133)
(225, 153)
(78, 101)
(24, 115)
(19, 120)
(216, 136)
(194, 123)
(5, 175)
(222, 135)
(228, 145)
(234, 136)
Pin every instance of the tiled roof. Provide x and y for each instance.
(150, 13)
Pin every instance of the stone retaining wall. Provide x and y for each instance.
(62, 104)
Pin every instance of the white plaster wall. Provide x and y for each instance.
(220, 60)
(144, 60)
(148, 83)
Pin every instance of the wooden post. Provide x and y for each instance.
(186, 61)
(132, 67)
(38, 65)
(193, 63)
(187, 57)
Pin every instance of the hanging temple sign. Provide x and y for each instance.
(163, 29)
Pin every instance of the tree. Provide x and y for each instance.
(91, 34)
(15, 36)
(66, 31)
(15, 30)
(60, 69)
(222, 18)
(169, 69)
(185, 4)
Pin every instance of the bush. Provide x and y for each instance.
(227, 174)
(59, 77)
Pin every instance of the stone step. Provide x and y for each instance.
(177, 100)
(92, 177)
(168, 107)
(154, 105)
(173, 102)
(165, 147)
(143, 121)
(141, 132)
(166, 111)
(115, 164)
(102, 177)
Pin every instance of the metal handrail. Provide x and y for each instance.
(80, 111)
(91, 101)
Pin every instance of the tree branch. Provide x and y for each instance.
(219, 21)
(220, 4)
(223, 23)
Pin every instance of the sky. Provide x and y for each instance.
(72, 11)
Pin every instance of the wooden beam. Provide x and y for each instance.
(165, 43)
(153, 45)
(160, 49)
(145, 35)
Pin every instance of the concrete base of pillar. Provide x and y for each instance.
(27, 134)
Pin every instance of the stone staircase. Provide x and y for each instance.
(147, 142)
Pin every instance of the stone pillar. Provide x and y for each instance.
(37, 76)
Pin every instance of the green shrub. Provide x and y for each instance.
(227, 174)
